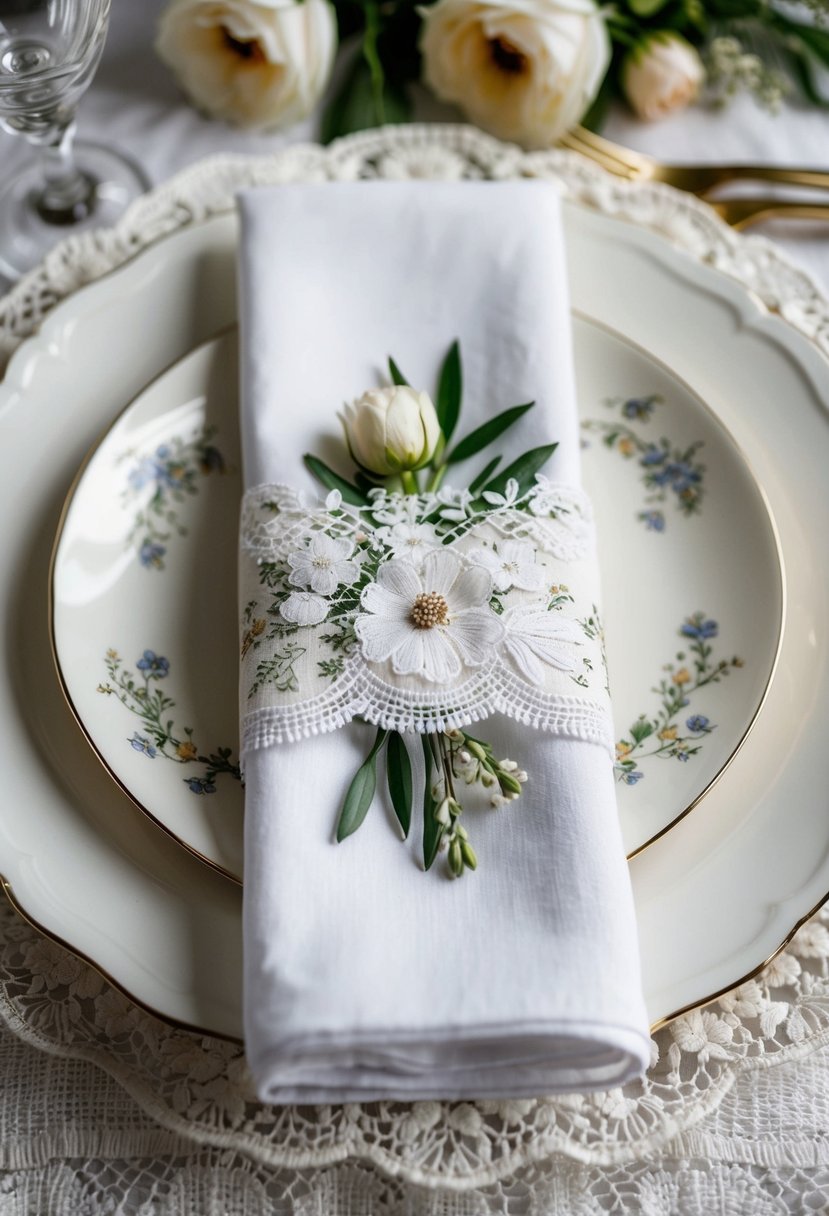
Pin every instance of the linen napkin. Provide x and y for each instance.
(366, 978)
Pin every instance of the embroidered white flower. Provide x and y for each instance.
(323, 564)
(507, 499)
(410, 540)
(430, 622)
(304, 608)
(512, 564)
(536, 638)
(456, 505)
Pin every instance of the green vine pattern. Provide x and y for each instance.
(158, 737)
(170, 474)
(666, 735)
(668, 472)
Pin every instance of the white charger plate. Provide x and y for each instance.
(146, 639)
(715, 897)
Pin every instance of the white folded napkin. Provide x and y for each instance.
(366, 978)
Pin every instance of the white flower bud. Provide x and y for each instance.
(521, 775)
(442, 813)
(662, 74)
(391, 430)
(509, 766)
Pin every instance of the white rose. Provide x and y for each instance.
(262, 64)
(526, 70)
(664, 73)
(391, 430)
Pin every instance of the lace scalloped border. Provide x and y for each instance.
(360, 693)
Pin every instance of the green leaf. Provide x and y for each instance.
(487, 433)
(333, 481)
(397, 376)
(432, 830)
(483, 477)
(640, 730)
(360, 792)
(358, 105)
(522, 470)
(450, 391)
(399, 777)
(646, 8)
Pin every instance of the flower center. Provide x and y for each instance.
(321, 563)
(429, 609)
(507, 57)
(244, 48)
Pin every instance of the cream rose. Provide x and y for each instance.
(391, 430)
(526, 70)
(665, 73)
(262, 64)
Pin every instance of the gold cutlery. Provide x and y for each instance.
(696, 179)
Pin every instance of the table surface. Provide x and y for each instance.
(80, 1165)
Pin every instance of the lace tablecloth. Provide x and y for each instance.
(105, 1109)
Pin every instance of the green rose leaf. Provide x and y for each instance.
(487, 433)
(333, 481)
(522, 470)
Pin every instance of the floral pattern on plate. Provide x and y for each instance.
(163, 479)
(159, 737)
(667, 471)
(668, 736)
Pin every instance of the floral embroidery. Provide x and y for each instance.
(142, 697)
(428, 624)
(512, 564)
(322, 565)
(666, 469)
(164, 479)
(535, 637)
(669, 734)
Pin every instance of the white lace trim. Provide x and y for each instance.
(320, 644)
(360, 693)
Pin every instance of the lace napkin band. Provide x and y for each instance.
(419, 613)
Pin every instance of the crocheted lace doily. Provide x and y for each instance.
(196, 1086)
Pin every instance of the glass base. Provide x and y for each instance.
(26, 236)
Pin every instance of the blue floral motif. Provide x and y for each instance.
(142, 744)
(639, 407)
(200, 785)
(154, 666)
(697, 627)
(668, 472)
(154, 708)
(660, 736)
(654, 521)
(164, 479)
(151, 555)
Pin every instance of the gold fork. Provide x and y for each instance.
(696, 179)
(742, 212)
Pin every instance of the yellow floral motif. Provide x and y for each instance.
(668, 732)
(257, 627)
(683, 676)
(187, 750)
(626, 446)
(622, 749)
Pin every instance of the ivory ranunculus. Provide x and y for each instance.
(391, 430)
(526, 70)
(262, 64)
(664, 73)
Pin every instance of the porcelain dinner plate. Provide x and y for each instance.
(718, 893)
(135, 612)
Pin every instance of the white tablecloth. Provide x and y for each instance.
(73, 1139)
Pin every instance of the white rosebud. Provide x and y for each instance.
(257, 63)
(391, 430)
(663, 73)
(526, 70)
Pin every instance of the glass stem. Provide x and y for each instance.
(68, 195)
